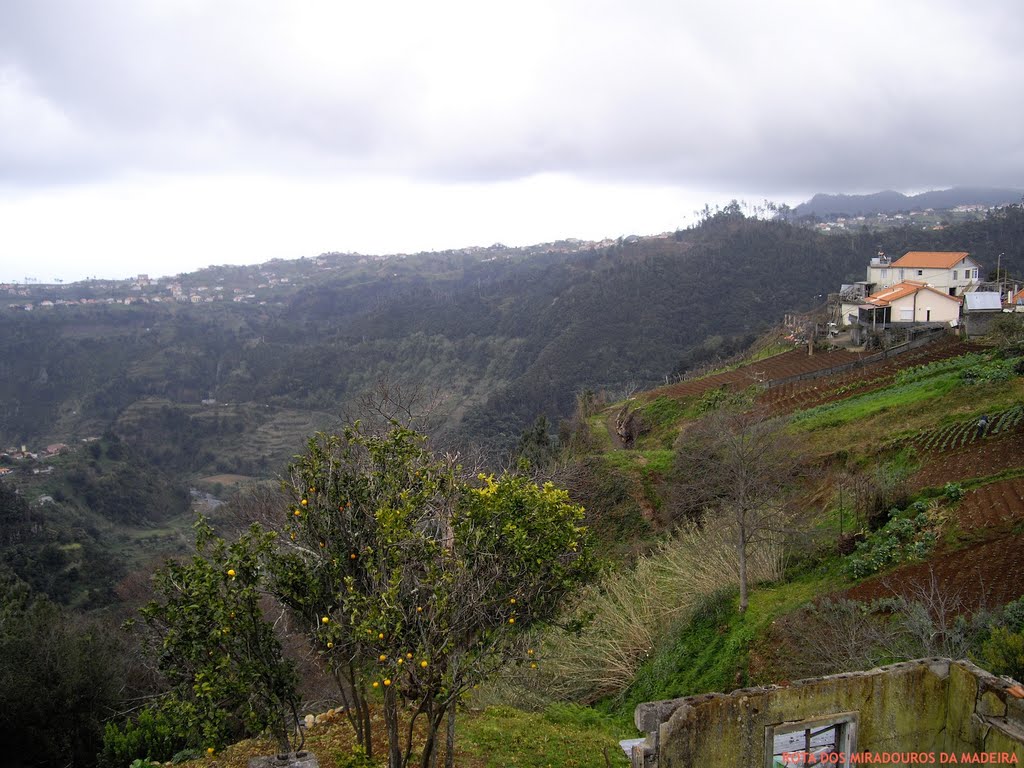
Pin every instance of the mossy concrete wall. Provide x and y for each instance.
(929, 705)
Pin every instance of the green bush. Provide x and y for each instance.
(1013, 615)
(1003, 653)
(953, 491)
(356, 758)
(989, 371)
(151, 736)
(907, 536)
(938, 367)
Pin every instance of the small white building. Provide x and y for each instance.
(953, 272)
(906, 302)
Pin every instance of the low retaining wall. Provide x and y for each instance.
(932, 708)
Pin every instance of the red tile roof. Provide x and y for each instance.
(885, 297)
(930, 259)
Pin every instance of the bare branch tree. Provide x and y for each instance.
(391, 402)
(739, 465)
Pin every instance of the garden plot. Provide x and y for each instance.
(998, 505)
(981, 576)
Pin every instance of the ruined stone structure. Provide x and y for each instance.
(926, 711)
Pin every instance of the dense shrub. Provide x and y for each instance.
(908, 535)
(151, 736)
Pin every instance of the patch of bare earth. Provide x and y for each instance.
(984, 575)
(982, 457)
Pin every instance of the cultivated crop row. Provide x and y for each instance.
(799, 395)
(959, 434)
(994, 505)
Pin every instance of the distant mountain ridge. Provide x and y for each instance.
(894, 202)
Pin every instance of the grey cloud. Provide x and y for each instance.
(791, 97)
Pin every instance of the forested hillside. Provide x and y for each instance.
(502, 339)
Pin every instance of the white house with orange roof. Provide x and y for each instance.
(953, 272)
(906, 302)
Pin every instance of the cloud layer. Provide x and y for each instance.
(725, 98)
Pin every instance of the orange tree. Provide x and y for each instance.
(219, 655)
(416, 583)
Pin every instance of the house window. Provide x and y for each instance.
(885, 274)
(811, 742)
(954, 274)
(906, 314)
(920, 272)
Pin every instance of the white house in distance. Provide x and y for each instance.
(906, 302)
(953, 272)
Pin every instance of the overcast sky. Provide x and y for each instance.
(160, 136)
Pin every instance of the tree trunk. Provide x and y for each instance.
(366, 730)
(284, 746)
(356, 710)
(391, 721)
(741, 553)
(434, 719)
(449, 755)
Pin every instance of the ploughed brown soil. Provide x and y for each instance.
(782, 366)
(983, 574)
(989, 455)
(795, 395)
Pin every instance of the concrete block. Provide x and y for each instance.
(291, 760)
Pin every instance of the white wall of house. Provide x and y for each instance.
(848, 312)
(963, 274)
(881, 276)
(929, 306)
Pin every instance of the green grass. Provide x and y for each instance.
(913, 386)
(644, 462)
(861, 407)
(662, 415)
(649, 468)
(598, 429)
(772, 350)
(563, 736)
(710, 652)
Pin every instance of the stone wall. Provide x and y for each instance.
(929, 706)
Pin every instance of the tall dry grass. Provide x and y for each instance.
(632, 611)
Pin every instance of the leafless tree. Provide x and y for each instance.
(389, 402)
(936, 618)
(739, 465)
(832, 636)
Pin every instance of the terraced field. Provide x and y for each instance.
(957, 452)
(964, 433)
(982, 575)
(985, 568)
(993, 507)
(798, 395)
(794, 363)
